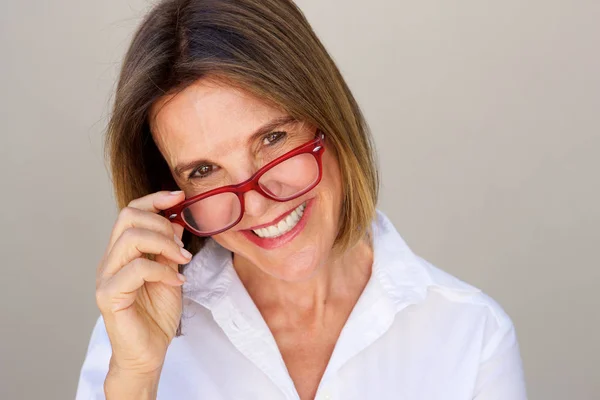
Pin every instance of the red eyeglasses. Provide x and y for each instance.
(287, 177)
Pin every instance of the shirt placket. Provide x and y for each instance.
(256, 344)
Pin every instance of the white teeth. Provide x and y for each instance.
(282, 225)
(285, 225)
(261, 232)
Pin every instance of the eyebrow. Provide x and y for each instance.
(181, 168)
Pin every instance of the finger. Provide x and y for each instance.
(136, 242)
(131, 217)
(119, 291)
(158, 201)
(178, 229)
(153, 203)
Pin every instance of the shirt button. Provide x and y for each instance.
(326, 396)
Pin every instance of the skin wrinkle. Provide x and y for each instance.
(253, 142)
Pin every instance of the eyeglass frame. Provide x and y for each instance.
(316, 147)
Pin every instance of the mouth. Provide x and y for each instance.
(281, 225)
(281, 230)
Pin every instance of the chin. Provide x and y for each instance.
(298, 266)
(296, 255)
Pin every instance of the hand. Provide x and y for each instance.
(140, 299)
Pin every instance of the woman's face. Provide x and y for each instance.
(209, 127)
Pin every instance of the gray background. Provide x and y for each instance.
(485, 116)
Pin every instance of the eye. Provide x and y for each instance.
(202, 171)
(273, 137)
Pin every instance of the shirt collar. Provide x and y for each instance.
(395, 266)
(209, 274)
(404, 276)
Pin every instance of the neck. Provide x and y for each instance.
(338, 281)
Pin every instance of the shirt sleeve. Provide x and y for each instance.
(500, 375)
(95, 366)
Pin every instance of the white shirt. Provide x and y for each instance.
(415, 333)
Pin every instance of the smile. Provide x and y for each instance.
(281, 230)
(285, 225)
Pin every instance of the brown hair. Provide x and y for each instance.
(266, 47)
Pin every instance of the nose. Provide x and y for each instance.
(255, 204)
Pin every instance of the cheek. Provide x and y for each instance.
(227, 240)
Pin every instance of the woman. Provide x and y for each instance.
(234, 135)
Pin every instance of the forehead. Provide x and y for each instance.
(207, 118)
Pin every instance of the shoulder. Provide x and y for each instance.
(469, 318)
(442, 318)
(407, 276)
(456, 302)
(454, 290)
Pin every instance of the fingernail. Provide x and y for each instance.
(177, 240)
(181, 277)
(176, 192)
(185, 253)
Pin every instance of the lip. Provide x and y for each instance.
(272, 243)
